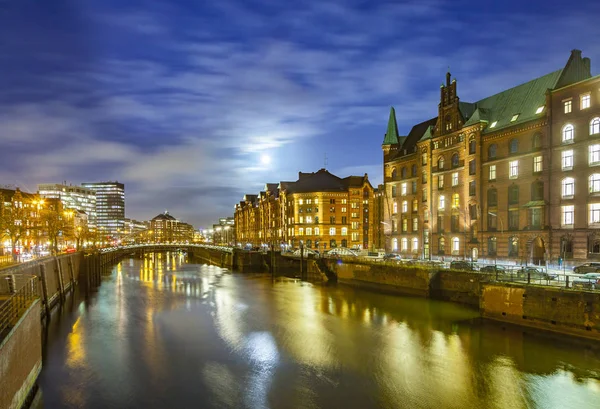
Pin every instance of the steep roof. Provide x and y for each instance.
(391, 135)
(320, 181)
(355, 181)
(163, 216)
(414, 136)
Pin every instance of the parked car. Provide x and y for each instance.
(341, 251)
(493, 269)
(461, 265)
(392, 256)
(534, 273)
(587, 268)
(589, 281)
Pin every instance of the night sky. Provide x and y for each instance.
(180, 100)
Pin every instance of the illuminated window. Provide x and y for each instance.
(539, 110)
(344, 231)
(354, 225)
(404, 225)
(567, 133)
(395, 208)
(567, 160)
(415, 223)
(442, 245)
(301, 219)
(441, 163)
(568, 187)
(455, 179)
(595, 213)
(568, 106)
(493, 125)
(316, 201)
(514, 118)
(584, 101)
(492, 172)
(415, 244)
(594, 154)
(394, 226)
(455, 200)
(300, 201)
(440, 182)
(513, 169)
(317, 232)
(403, 189)
(332, 231)
(424, 159)
(344, 201)
(442, 202)
(568, 214)
(537, 163)
(595, 126)
(395, 244)
(301, 231)
(404, 242)
(309, 231)
(355, 236)
(415, 205)
(595, 183)
(404, 206)
(455, 245)
(344, 210)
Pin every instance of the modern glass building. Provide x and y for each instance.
(110, 206)
(72, 197)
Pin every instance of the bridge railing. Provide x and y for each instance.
(165, 245)
(17, 292)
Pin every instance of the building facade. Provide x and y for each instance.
(164, 228)
(320, 211)
(72, 197)
(110, 207)
(480, 180)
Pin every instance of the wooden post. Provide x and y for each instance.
(44, 289)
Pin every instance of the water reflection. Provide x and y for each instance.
(162, 333)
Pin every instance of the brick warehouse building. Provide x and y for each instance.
(510, 177)
(319, 209)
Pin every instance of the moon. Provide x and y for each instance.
(265, 159)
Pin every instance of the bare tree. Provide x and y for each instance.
(14, 220)
(53, 223)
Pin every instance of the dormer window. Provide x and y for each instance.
(539, 110)
(493, 125)
(514, 118)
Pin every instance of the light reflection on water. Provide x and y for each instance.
(164, 334)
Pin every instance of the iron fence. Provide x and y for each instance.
(16, 295)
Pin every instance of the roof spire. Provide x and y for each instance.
(448, 77)
(391, 136)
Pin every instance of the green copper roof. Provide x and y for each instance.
(427, 134)
(391, 136)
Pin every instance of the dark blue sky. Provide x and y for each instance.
(180, 99)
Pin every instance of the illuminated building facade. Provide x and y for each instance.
(164, 228)
(110, 207)
(481, 180)
(319, 210)
(72, 197)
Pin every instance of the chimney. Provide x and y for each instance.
(575, 53)
(587, 64)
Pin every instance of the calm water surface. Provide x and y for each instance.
(164, 334)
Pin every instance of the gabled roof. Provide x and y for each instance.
(320, 181)
(414, 136)
(163, 216)
(391, 135)
(355, 181)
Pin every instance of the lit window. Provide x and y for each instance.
(594, 154)
(455, 179)
(568, 106)
(567, 133)
(584, 101)
(442, 203)
(415, 244)
(492, 172)
(395, 207)
(415, 224)
(309, 231)
(440, 182)
(415, 206)
(567, 160)
(568, 214)
(332, 231)
(514, 117)
(301, 219)
(404, 225)
(455, 200)
(539, 110)
(537, 164)
(344, 209)
(395, 244)
(316, 201)
(317, 232)
(455, 245)
(441, 163)
(595, 126)
(595, 183)
(404, 206)
(568, 187)
(344, 231)
(424, 159)
(513, 169)
(403, 189)
(404, 242)
(595, 213)
(494, 124)
(301, 231)
(300, 201)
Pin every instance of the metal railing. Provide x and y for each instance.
(17, 292)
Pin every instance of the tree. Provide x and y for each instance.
(14, 220)
(53, 222)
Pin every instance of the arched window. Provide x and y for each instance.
(455, 245)
(513, 146)
(455, 160)
(536, 142)
(472, 146)
(441, 162)
(394, 173)
(513, 247)
(441, 245)
(415, 245)
(537, 190)
(513, 194)
(492, 197)
(403, 172)
(404, 242)
(568, 187)
(414, 170)
(568, 133)
(395, 244)
(595, 126)
(492, 151)
(595, 183)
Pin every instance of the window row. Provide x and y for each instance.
(404, 189)
(415, 225)
(584, 103)
(415, 206)
(513, 146)
(568, 131)
(567, 160)
(537, 193)
(404, 244)
(568, 214)
(568, 186)
(455, 242)
(404, 172)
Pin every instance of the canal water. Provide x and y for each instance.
(161, 333)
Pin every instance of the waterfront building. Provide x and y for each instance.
(223, 232)
(475, 181)
(164, 228)
(319, 210)
(72, 197)
(110, 207)
(20, 217)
